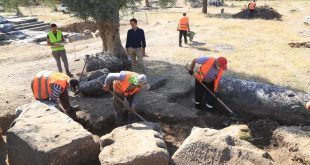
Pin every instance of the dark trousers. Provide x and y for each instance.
(251, 13)
(202, 96)
(184, 34)
(121, 115)
(65, 101)
(61, 54)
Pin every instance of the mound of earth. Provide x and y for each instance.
(299, 44)
(264, 12)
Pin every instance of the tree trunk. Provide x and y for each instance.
(110, 36)
(18, 12)
(147, 3)
(205, 6)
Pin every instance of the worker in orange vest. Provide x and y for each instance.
(308, 106)
(210, 74)
(244, 7)
(126, 84)
(252, 7)
(183, 28)
(49, 86)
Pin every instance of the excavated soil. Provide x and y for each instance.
(261, 131)
(264, 12)
(79, 27)
(299, 44)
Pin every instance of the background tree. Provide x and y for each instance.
(106, 14)
(51, 3)
(205, 6)
(147, 3)
(14, 4)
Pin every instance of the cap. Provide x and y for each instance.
(142, 79)
(223, 62)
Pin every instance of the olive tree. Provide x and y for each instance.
(205, 6)
(106, 14)
(15, 4)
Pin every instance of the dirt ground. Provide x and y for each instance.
(256, 49)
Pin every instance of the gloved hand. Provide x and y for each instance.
(106, 88)
(190, 72)
(308, 106)
(216, 94)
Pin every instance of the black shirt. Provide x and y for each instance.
(135, 39)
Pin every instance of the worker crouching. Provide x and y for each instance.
(125, 85)
(209, 74)
(49, 86)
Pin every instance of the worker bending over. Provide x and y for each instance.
(125, 85)
(49, 86)
(183, 28)
(209, 73)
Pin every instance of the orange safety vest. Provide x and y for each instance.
(42, 83)
(204, 70)
(252, 5)
(122, 86)
(183, 23)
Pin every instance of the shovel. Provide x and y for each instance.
(218, 99)
(86, 60)
(126, 105)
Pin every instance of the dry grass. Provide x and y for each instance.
(260, 49)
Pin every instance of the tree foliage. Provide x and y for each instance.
(15, 4)
(106, 15)
(104, 10)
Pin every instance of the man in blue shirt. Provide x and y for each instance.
(135, 46)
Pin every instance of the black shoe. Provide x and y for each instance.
(198, 106)
(69, 74)
(207, 110)
(180, 45)
(73, 108)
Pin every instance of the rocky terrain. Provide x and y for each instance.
(266, 88)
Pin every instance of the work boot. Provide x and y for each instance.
(69, 74)
(73, 108)
(128, 126)
(208, 108)
(198, 106)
